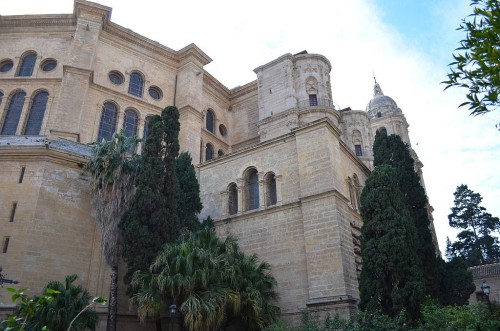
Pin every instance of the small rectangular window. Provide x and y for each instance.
(357, 149)
(21, 176)
(5, 244)
(313, 100)
(13, 212)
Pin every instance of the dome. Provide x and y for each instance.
(381, 104)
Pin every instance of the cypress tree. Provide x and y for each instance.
(391, 150)
(390, 279)
(152, 219)
(189, 192)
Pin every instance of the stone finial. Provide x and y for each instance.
(377, 90)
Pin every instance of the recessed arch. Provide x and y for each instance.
(271, 196)
(251, 177)
(27, 64)
(36, 113)
(107, 124)
(13, 113)
(136, 84)
(232, 199)
(210, 120)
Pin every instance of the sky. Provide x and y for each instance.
(407, 44)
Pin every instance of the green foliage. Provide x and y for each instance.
(189, 205)
(478, 241)
(390, 278)
(61, 307)
(458, 318)
(476, 65)
(456, 282)
(391, 150)
(211, 280)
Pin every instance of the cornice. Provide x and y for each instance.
(240, 91)
(128, 36)
(326, 194)
(216, 88)
(23, 21)
(192, 50)
(92, 8)
(287, 56)
(313, 56)
(256, 213)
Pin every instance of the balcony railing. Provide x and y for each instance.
(320, 103)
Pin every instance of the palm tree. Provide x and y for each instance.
(58, 314)
(113, 167)
(210, 279)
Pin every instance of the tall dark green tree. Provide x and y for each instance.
(391, 150)
(189, 205)
(456, 284)
(478, 241)
(152, 219)
(390, 278)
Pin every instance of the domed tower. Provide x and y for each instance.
(384, 113)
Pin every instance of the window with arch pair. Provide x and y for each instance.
(210, 152)
(251, 192)
(109, 116)
(14, 110)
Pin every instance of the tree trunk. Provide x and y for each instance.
(158, 324)
(113, 300)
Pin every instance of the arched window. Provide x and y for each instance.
(232, 199)
(382, 129)
(220, 153)
(252, 189)
(107, 126)
(271, 197)
(209, 152)
(130, 123)
(146, 130)
(210, 120)
(136, 85)
(27, 65)
(37, 112)
(356, 141)
(13, 115)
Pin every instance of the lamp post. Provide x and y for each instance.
(172, 313)
(4, 280)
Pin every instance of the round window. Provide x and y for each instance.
(6, 65)
(115, 77)
(155, 92)
(49, 65)
(222, 130)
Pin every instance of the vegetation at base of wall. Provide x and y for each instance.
(212, 283)
(61, 307)
(434, 318)
(477, 243)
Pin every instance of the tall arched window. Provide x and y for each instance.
(13, 115)
(107, 126)
(136, 85)
(252, 189)
(27, 65)
(130, 123)
(37, 112)
(210, 121)
(209, 152)
(232, 199)
(271, 197)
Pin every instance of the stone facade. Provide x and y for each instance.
(279, 166)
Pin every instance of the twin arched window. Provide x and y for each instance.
(251, 192)
(107, 125)
(136, 84)
(35, 117)
(27, 65)
(210, 121)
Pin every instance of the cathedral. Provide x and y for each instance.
(280, 167)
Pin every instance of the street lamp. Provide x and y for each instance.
(172, 313)
(4, 280)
